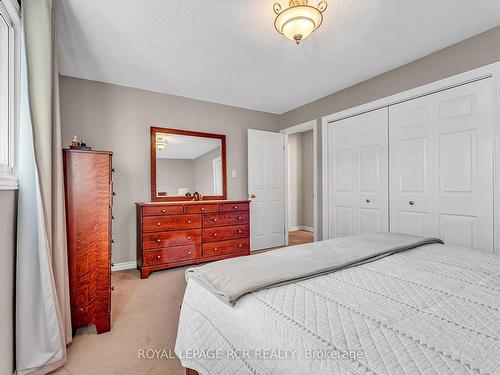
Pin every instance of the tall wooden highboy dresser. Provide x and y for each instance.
(89, 199)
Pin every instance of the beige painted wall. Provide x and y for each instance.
(118, 118)
(469, 54)
(307, 179)
(8, 202)
(172, 174)
(203, 172)
(300, 180)
(294, 181)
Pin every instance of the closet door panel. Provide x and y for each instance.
(411, 167)
(441, 166)
(464, 127)
(358, 174)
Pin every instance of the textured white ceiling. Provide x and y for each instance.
(228, 51)
(186, 147)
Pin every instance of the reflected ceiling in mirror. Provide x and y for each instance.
(187, 164)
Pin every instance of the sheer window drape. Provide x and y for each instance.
(43, 320)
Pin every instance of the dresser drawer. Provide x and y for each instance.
(225, 233)
(162, 210)
(174, 238)
(226, 207)
(226, 247)
(173, 222)
(170, 254)
(201, 208)
(225, 219)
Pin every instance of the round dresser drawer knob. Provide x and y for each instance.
(216, 249)
(215, 234)
(239, 232)
(189, 221)
(163, 210)
(189, 252)
(216, 220)
(158, 240)
(158, 257)
(235, 207)
(240, 245)
(203, 208)
(239, 217)
(189, 237)
(158, 224)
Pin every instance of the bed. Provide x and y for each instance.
(428, 308)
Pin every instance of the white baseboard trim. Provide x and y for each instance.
(301, 227)
(124, 266)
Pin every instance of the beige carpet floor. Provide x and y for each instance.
(145, 314)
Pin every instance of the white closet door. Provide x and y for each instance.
(441, 166)
(358, 181)
(411, 167)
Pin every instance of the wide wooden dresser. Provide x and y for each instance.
(172, 234)
(89, 198)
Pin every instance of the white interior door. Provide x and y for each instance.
(358, 174)
(217, 176)
(442, 166)
(266, 189)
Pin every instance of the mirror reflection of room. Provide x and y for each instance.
(186, 165)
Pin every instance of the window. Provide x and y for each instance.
(9, 90)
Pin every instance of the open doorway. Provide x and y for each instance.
(300, 183)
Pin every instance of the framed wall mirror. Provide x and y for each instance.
(184, 163)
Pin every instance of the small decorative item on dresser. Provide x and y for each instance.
(75, 145)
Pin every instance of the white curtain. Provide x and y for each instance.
(43, 320)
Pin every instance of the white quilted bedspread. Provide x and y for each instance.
(430, 310)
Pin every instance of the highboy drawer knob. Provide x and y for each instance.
(240, 245)
(158, 240)
(239, 232)
(163, 210)
(189, 252)
(239, 217)
(215, 234)
(203, 208)
(189, 221)
(216, 249)
(158, 224)
(158, 257)
(216, 219)
(189, 237)
(235, 207)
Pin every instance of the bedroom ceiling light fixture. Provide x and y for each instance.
(299, 20)
(161, 143)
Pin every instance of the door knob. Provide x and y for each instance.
(411, 203)
(368, 200)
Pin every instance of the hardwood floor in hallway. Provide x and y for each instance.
(299, 237)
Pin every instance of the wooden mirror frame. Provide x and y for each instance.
(222, 138)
